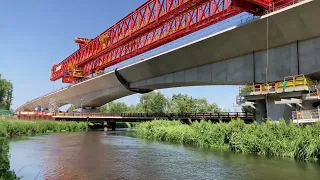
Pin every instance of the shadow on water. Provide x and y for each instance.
(119, 155)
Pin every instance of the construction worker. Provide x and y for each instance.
(284, 85)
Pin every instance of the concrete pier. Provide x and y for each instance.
(105, 126)
(111, 125)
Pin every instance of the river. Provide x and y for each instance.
(117, 155)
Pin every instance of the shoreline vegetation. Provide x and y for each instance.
(13, 128)
(268, 139)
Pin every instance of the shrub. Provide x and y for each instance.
(269, 139)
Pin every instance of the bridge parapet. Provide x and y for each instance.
(221, 115)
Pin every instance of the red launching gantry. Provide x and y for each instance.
(153, 24)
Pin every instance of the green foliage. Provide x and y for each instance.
(155, 102)
(247, 109)
(6, 90)
(114, 107)
(182, 103)
(267, 139)
(11, 128)
(23, 128)
(71, 108)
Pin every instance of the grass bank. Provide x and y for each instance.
(268, 139)
(11, 128)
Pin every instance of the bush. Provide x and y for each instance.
(267, 139)
(24, 128)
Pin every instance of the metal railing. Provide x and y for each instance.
(289, 81)
(306, 116)
(157, 115)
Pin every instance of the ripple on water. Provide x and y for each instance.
(97, 155)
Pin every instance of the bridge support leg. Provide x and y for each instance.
(105, 126)
(112, 125)
(260, 112)
(278, 111)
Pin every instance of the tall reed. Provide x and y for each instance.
(267, 139)
(22, 128)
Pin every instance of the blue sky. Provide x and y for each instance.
(34, 34)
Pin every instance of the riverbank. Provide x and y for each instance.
(12, 128)
(118, 155)
(269, 139)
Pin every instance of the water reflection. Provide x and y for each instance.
(97, 155)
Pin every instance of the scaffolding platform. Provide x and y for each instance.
(278, 91)
(306, 116)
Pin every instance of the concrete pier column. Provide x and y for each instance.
(260, 111)
(112, 125)
(278, 111)
(105, 126)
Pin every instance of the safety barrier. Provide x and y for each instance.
(170, 115)
(306, 116)
(289, 81)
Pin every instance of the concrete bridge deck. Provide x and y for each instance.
(234, 56)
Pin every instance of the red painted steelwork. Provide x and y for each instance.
(153, 24)
(136, 23)
(264, 3)
(197, 18)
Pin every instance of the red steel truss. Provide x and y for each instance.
(138, 22)
(199, 17)
(153, 24)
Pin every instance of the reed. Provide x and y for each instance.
(267, 139)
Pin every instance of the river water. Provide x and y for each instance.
(117, 155)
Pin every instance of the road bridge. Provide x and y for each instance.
(279, 44)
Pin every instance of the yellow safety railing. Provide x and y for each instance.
(246, 88)
(61, 114)
(99, 72)
(289, 81)
(298, 80)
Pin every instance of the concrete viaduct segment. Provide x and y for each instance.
(300, 57)
(234, 56)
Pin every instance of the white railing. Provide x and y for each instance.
(306, 116)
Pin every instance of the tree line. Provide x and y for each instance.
(156, 102)
(6, 90)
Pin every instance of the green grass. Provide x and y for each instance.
(267, 139)
(13, 128)
(26, 128)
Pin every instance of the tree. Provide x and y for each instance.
(247, 109)
(153, 102)
(6, 90)
(203, 106)
(182, 103)
(71, 108)
(114, 107)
